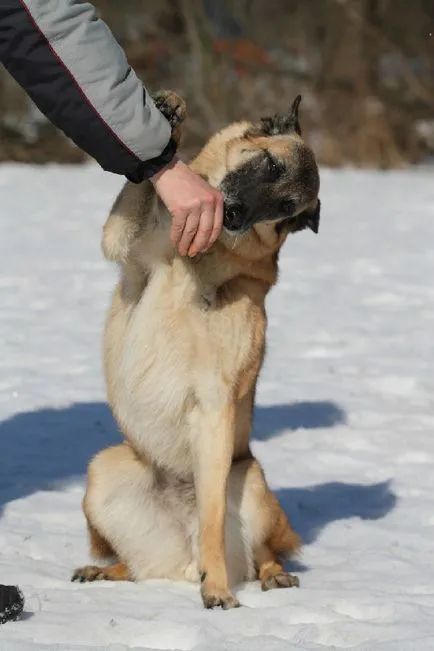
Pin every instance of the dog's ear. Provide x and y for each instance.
(293, 123)
(282, 124)
(313, 218)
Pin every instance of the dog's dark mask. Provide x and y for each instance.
(271, 187)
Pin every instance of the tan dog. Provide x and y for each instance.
(183, 497)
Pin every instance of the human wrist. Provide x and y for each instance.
(146, 169)
(172, 165)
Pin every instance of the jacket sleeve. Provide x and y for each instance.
(69, 63)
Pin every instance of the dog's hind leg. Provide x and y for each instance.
(283, 541)
(269, 537)
(271, 572)
(99, 547)
(143, 517)
(115, 572)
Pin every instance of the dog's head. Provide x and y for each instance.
(271, 178)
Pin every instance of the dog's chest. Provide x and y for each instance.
(187, 331)
(181, 358)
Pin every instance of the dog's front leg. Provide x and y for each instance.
(213, 458)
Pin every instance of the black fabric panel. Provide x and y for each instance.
(28, 57)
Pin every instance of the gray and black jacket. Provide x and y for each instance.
(69, 63)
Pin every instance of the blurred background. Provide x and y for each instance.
(365, 69)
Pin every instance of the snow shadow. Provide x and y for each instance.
(272, 420)
(310, 509)
(40, 450)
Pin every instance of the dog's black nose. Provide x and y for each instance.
(233, 218)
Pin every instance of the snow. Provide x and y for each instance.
(344, 424)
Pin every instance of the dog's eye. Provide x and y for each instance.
(274, 168)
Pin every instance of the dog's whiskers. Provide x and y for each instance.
(236, 239)
(234, 243)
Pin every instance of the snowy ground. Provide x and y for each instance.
(344, 424)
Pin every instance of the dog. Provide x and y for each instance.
(182, 496)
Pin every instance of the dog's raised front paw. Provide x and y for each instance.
(171, 106)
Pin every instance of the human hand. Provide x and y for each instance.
(196, 207)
